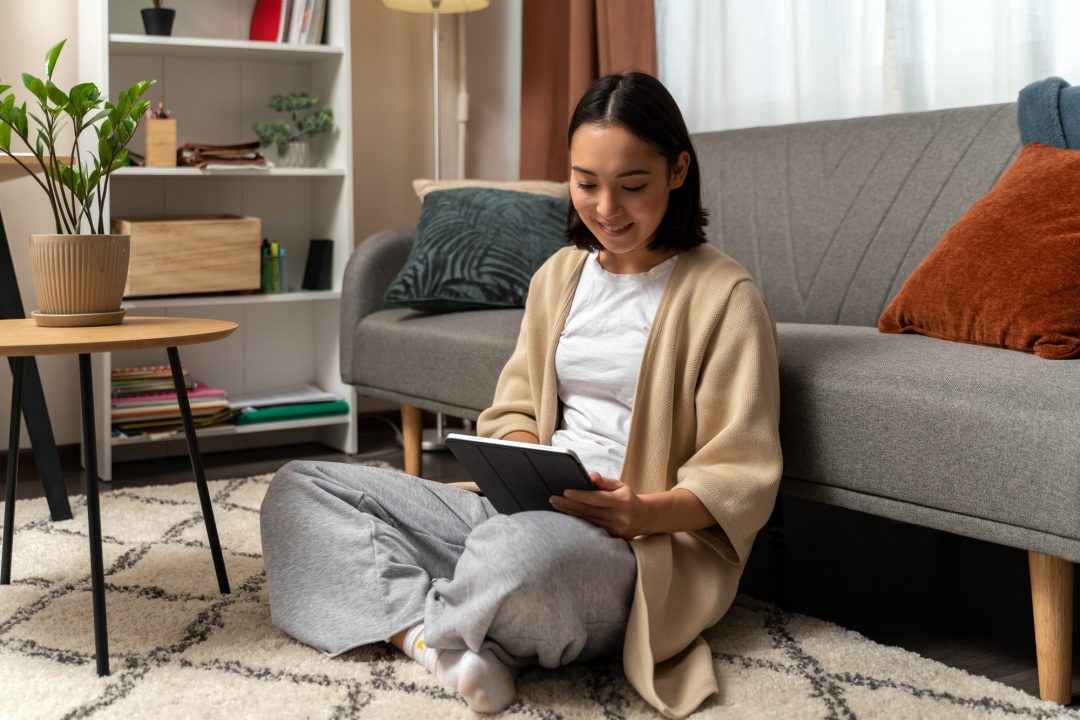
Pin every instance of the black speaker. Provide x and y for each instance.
(319, 265)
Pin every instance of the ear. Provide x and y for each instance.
(679, 170)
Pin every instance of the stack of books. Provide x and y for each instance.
(300, 22)
(291, 403)
(144, 401)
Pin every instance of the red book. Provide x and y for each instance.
(266, 20)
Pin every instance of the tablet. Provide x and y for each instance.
(518, 476)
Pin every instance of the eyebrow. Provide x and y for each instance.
(628, 173)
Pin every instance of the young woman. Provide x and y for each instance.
(649, 353)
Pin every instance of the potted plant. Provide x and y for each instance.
(158, 20)
(292, 136)
(79, 272)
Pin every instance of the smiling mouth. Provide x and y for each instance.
(615, 229)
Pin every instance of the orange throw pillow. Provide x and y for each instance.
(1007, 274)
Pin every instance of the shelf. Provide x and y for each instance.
(11, 170)
(202, 48)
(190, 172)
(205, 300)
(220, 430)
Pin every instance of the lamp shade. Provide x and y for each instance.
(428, 6)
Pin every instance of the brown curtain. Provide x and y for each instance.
(566, 44)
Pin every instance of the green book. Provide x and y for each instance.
(291, 412)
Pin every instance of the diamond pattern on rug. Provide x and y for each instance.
(181, 649)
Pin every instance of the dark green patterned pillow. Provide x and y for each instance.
(478, 248)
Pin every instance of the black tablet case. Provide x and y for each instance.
(519, 479)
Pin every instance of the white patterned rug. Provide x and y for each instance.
(179, 649)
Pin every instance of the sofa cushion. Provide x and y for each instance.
(1007, 274)
(974, 430)
(478, 248)
(453, 359)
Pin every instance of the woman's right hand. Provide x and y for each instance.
(522, 436)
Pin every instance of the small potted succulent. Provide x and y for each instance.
(292, 137)
(158, 20)
(80, 271)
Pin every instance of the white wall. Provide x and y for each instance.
(25, 36)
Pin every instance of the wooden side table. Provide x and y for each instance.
(22, 339)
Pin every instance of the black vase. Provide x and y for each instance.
(158, 21)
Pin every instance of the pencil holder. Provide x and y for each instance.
(161, 142)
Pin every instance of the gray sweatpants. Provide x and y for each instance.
(355, 554)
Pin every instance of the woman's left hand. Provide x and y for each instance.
(612, 506)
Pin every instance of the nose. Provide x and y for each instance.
(607, 205)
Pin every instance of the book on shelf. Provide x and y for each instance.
(268, 20)
(144, 400)
(284, 396)
(197, 390)
(290, 403)
(306, 23)
(164, 428)
(294, 411)
(145, 379)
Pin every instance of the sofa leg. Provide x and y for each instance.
(412, 433)
(1052, 606)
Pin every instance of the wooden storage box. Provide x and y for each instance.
(194, 254)
(161, 142)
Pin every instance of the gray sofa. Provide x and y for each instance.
(829, 218)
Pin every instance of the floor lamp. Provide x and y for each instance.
(436, 8)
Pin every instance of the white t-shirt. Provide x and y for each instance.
(598, 359)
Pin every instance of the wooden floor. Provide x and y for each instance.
(963, 602)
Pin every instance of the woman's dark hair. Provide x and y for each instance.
(642, 105)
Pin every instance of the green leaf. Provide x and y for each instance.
(139, 110)
(56, 95)
(35, 86)
(78, 92)
(102, 115)
(5, 137)
(136, 91)
(4, 88)
(20, 123)
(52, 56)
(7, 107)
(123, 105)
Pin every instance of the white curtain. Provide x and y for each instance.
(740, 63)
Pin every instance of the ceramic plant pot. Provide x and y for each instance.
(158, 21)
(295, 153)
(79, 279)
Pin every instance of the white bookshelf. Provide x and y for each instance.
(217, 84)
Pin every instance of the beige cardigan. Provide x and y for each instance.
(705, 419)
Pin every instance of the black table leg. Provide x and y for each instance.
(12, 468)
(34, 410)
(197, 467)
(43, 443)
(93, 516)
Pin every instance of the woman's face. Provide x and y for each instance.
(619, 185)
